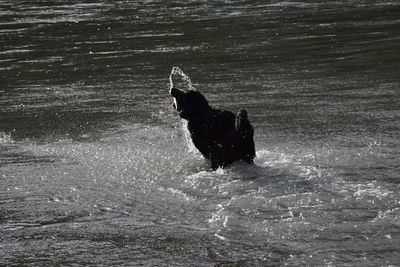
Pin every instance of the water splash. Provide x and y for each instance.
(183, 78)
(5, 138)
(191, 148)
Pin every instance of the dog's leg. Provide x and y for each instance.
(216, 157)
(221, 156)
(214, 163)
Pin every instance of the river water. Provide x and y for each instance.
(95, 168)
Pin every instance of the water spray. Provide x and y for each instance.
(178, 73)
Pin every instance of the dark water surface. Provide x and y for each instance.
(94, 165)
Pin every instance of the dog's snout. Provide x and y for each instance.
(176, 92)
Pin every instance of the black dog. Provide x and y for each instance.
(219, 135)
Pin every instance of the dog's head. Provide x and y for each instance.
(189, 104)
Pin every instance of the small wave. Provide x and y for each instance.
(294, 4)
(390, 216)
(176, 193)
(17, 226)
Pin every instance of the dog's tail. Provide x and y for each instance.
(246, 133)
(242, 123)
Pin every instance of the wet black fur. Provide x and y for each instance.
(219, 135)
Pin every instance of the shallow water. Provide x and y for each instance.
(94, 164)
